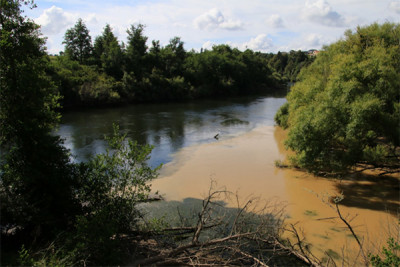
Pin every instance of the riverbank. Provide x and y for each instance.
(246, 164)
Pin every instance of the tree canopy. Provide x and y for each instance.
(44, 196)
(35, 176)
(78, 42)
(345, 109)
(113, 73)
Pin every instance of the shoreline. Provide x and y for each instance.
(245, 164)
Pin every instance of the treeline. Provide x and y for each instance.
(344, 112)
(55, 212)
(111, 72)
(286, 66)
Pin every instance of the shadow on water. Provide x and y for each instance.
(169, 127)
(360, 190)
(371, 192)
(220, 222)
(186, 213)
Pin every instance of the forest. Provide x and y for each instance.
(55, 212)
(111, 72)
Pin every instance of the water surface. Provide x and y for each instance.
(169, 127)
(242, 159)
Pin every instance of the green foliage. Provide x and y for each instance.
(108, 53)
(226, 71)
(36, 180)
(136, 51)
(344, 109)
(113, 184)
(25, 258)
(78, 42)
(51, 256)
(43, 195)
(390, 257)
(113, 74)
(108, 189)
(281, 116)
(287, 66)
(82, 84)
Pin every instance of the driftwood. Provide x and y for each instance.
(250, 236)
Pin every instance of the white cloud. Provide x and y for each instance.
(214, 19)
(276, 21)
(54, 20)
(165, 19)
(395, 6)
(259, 43)
(91, 18)
(321, 12)
(207, 45)
(314, 40)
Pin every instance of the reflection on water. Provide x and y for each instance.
(169, 127)
(243, 161)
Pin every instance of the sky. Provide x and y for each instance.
(260, 25)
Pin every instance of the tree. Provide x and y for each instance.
(136, 51)
(78, 43)
(174, 55)
(108, 53)
(113, 184)
(345, 109)
(36, 180)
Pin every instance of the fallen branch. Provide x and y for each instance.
(298, 255)
(166, 255)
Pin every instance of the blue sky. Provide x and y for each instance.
(261, 25)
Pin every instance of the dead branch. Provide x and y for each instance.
(246, 237)
(353, 233)
(202, 218)
(259, 262)
(297, 254)
(166, 255)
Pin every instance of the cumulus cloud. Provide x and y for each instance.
(395, 6)
(214, 19)
(321, 12)
(259, 43)
(54, 20)
(276, 21)
(314, 40)
(207, 45)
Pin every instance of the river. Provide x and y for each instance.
(242, 159)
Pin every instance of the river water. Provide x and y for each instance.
(242, 159)
(169, 127)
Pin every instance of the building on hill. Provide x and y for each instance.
(312, 52)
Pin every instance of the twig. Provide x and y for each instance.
(170, 253)
(259, 262)
(297, 254)
(353, 233)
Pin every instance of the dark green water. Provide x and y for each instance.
(169, 127)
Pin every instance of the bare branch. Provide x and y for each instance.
(353, 233)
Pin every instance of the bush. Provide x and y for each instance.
(344, 110)
(391, 255)
(113, 184)
(281, 117)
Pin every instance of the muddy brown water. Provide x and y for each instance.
(245, 164)
(243, 160)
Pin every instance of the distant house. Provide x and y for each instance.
(312, 52)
